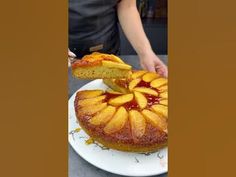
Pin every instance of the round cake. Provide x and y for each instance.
(133, 120)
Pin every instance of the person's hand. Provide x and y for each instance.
(152, 63)
(71, 57)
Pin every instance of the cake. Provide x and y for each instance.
(99, 65)
(133, 116)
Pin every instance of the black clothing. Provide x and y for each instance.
(93, 26)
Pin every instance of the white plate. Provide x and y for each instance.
(118, 162)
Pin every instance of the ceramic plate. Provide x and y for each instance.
(118, 162)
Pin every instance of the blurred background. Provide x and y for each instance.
(154, 18)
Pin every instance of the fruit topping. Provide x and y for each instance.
(148, 77)
(120, 100)
(158, 82)
(137, 123)
(146, 90)
(140, 99)
(104, 116)
(111, 64)
(134, 83)
(117, 122)
(160, 110)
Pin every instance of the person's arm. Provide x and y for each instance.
(132, 26)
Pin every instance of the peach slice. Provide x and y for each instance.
(120, 100)
(118, 85)
(111, 64)
(133, 83)
(101, 56)
(146, 90)
(154, 119)
(163, 88)
(97, 53)
(91, 109)
(148, 77)
(84, 94)
(160, 110)
(137, 123)
(91, 101)
(104, 116)
(141, 99)
(93, 57)
(138, 74)
(158, 82)
(164, 94)
(113, 92)
(164, 102)
(117, 59)
(117, 122)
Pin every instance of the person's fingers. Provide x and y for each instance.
(142, 66)
(147, 65)
(71, 58)
(162, 70)
(148, 68)
(165, 71)
(151, 67)
(71, 61)
(71, 54)
(154, 64)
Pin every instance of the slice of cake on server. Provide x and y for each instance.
(100, 66)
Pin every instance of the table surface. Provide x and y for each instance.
(78, 167)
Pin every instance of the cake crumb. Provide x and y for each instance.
(77, 130)
(89, 141)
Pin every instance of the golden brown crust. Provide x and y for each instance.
(119, 145)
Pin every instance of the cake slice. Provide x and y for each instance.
(101, 66)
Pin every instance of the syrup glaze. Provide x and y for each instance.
(151, 100)
(143, 84)
(109, 96)
(131, 105)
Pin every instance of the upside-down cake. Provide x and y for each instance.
(133, 120)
